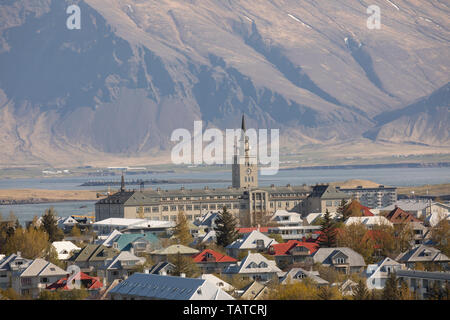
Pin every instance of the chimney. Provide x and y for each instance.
(19, 254)
(183, 275)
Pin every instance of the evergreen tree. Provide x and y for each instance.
(182, 233)
(361, 292)
(327, 237)
(50, 225)
(225, 228)
(391, 290)
(184, 265)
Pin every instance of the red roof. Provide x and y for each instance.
(366, 211)
(88, 281)
(248, 230)
(399, 216)
(282, 249)
(209, 255)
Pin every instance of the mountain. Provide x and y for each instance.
(137, 70)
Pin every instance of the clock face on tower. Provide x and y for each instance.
(249, 171)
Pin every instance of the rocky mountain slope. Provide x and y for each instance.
(138, 69)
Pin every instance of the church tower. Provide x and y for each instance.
(244, 168)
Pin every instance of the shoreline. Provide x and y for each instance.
(40, 196)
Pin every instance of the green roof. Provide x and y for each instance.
(125, 240)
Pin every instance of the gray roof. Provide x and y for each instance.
(295, 274)
(253, 263)
(324, 255)
(328, 192)
(8, 263)
(40, 267)
(249, 241)
(422, 253)
(116, 263)
(175, 249)
(424, 274)
(154, 286)
(160, 266)
(149, 196)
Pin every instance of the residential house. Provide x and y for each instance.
(421, 282)
(290, 225)
(420, 208)
(218, 282)
(141, 286)
(369, 222)
(66, 223)
(108, 239)
(299, 274)
(378, 273)
(163, 268)
(324, 197)
(293, 251)
(119, 267)
(208, 238)
(211, 261)
(136, 242)
(342, 259)
(437, 216)
(254, 266)
(207, 221)
(255, 291)
(69, 282)
(9, 265)
(423, 254)
(315, 217)
(398, 216)
(65, 249)
(35, 277)
(254, 240)
(91, 257)
(171, 251)
(347, 287)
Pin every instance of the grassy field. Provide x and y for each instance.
(41, 195)
(431, 190)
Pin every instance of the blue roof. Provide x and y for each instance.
(158, 287)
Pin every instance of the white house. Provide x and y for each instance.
(435, 217)
(66, 223)
(255, 266)
(290, 226)
(119, 267)
(378, 273)
(9, 265)
(254, 240)
(35, 277)
(64, 249)
(218, 282)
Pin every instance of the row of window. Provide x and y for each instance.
(190, 207)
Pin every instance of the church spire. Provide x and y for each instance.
(122, 183)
